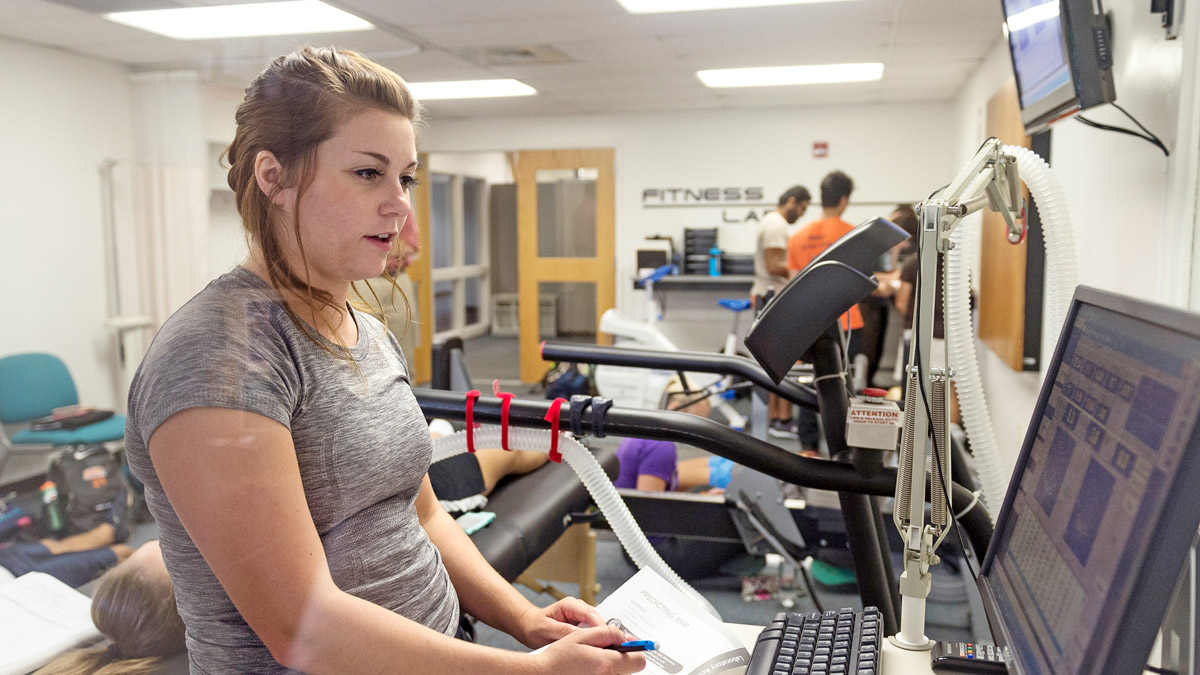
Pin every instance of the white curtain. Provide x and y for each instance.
(170, 191)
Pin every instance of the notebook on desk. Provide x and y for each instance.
(1105, 497)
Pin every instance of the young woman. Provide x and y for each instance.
(283, 453)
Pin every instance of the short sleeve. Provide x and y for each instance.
(217, 352)
(658, 460)
(775, 234)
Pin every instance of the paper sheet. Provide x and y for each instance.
(40, 617)
(690, 640)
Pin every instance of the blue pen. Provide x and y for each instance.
(635, 646)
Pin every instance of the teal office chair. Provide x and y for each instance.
(31, 386)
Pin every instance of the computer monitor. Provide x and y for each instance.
(1061, 56)
(1105, 497)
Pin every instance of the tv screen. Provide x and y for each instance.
(1061, 57)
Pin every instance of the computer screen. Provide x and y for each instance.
(1039, 53)
(1103, 502)
(1061, 58)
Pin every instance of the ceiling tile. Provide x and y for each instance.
(748, 24)
(617, 62)
(643, 49)
(453, 12)
(530, 31)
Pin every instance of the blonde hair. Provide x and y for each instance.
(134, 608)
(289, 109)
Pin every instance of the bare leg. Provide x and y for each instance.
(779, 408)
(495, 464)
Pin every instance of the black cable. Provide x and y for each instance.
(812, 592)
(931, 194)
(1147, 136)
(1120, 130)
(1162, 671)
(1134, 120)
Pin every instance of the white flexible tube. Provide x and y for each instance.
(960, 338)
(1061, 279)
(1062, 275)
(594, 479)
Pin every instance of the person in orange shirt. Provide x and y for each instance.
(808, 242)
(804, 245)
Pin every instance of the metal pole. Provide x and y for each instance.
(698, 362)
(863, 538)
(110, 236)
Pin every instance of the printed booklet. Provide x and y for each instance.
(690, 640)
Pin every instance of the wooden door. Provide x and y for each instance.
(565, 248)
(420, 273)
(1002, 286)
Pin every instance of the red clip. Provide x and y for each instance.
(507, 398)
(471, 396)
(552, 418)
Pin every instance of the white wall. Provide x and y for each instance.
(771, 149)
(490, 166)
(1132, 209)
(63, 116)
(227, 246)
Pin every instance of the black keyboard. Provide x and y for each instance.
(838, 642)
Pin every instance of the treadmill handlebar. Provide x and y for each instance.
(699, 362)
(662, 425)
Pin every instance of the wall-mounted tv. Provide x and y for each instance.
(1062, 58)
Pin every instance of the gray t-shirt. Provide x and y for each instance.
(772, 233)
(360, 439)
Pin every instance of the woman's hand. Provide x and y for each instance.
(582, 652)
(539, 626)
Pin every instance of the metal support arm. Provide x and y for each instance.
(990, 178)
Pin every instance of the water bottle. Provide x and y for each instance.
(714, 262)
(54, 521)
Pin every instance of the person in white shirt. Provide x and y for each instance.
(771, 273)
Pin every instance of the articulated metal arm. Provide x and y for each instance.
(990, 178)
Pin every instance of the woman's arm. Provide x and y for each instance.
(233, 479)
(650, 483)
(904, 296)
(101, 535)
(485, 595)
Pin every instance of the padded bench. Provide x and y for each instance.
(530, 511)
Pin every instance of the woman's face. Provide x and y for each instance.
(358, 200)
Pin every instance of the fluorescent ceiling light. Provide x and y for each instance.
(661, 6)
(782, 75)
(1034, 15)
(229, 21)
(429, 91)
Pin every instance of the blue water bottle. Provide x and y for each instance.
(714, 262)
